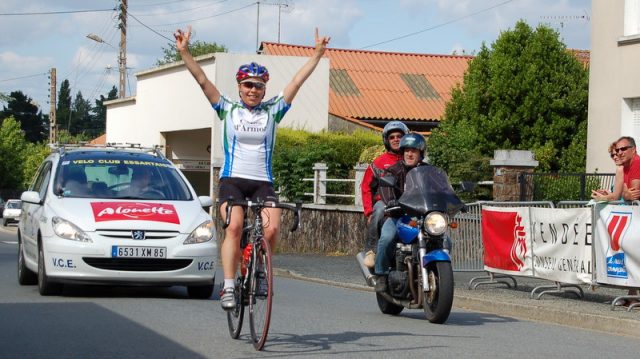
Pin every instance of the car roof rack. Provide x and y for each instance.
(62, 148)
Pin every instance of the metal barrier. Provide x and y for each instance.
(468, 251)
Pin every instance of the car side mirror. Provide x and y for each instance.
(31, 197)
(205, 201)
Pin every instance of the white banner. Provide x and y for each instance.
(617, 245)
(561, 244)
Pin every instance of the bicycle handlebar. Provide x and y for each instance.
(260, 204)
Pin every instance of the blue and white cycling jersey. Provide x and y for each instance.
(248, 137)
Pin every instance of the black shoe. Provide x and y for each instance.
(381, 284)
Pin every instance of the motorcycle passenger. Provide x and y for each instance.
(412, 146)
(369, 188)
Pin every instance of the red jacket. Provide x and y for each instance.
(369, 185)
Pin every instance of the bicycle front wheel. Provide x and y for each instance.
(261, 294)
(235, 316)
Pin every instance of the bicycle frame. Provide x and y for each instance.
(251, 290)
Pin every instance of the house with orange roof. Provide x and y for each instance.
(367, 89)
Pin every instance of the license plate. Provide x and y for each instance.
(138, 252)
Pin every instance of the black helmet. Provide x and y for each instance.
(391, 127)
(413, 140)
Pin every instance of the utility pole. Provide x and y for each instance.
(53, 126)
(122, 56)
(258, 27)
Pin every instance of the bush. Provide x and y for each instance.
(296, 151)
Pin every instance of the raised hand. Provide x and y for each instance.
(182, 38)
(321, 42)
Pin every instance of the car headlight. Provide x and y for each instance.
(435, 224)
(67, 230)
(201, 234)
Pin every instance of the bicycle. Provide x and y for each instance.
(248, 289)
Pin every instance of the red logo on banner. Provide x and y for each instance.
(617, 226)
(134, 211)
(504, 240)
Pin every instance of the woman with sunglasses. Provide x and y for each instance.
(248, 139)
(618, 183)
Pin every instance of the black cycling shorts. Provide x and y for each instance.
(242, 188)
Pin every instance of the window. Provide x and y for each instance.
(631, 17)
(630, 121)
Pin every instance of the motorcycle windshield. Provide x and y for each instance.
(427, 189)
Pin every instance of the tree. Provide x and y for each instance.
(12, 146)
(31, 120)
(100, 113)
(33, 155)
(63, 108)
(526, 92)
(196, 48)
(81, 118)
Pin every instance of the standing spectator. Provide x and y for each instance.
(248, 139)
(616, 192)
(373, 207)
(630, 162)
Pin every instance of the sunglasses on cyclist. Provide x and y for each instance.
(612, 155)
(395, 137)
(250, 84)
(622, 149)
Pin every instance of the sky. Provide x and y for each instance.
(45, 34)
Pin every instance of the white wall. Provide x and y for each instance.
(614, 78)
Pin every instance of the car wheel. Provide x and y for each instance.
(200, 291)
(25, 275)
(45, 286)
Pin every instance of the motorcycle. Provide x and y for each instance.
(421, 275)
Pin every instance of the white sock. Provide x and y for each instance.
(229, 283)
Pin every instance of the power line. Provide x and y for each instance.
(150, 29)
(24, 77)
(207, 17)
(53, 12)
(439, 25)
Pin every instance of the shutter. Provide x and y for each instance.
(635, 111)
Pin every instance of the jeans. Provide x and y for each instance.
(373, 228)
(386, 246)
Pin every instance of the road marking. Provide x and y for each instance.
(10, 242)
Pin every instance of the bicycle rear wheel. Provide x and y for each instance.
(235, 316)
(261, 294)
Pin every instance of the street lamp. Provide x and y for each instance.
(121, 61)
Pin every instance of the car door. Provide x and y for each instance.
(31, 212)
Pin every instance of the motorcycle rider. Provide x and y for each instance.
(372, 205)
(412, 146)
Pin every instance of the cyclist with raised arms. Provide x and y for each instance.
(248, 138)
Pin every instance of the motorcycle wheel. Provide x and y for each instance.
(438, 301)
(387, 307)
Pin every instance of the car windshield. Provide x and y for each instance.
(112, 175)
(13, 204)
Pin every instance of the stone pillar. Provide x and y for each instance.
(507, 165)
(359, 176)
(320, 183)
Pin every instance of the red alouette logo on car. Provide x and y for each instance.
(134, 211)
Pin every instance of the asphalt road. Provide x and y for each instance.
(311, 320)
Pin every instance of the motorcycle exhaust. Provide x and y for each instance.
(369, 277)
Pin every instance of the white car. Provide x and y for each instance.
(115, 216)
(11, 211)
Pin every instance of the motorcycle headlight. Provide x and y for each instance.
(201, 234)
(435, 223)
(67, 230)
